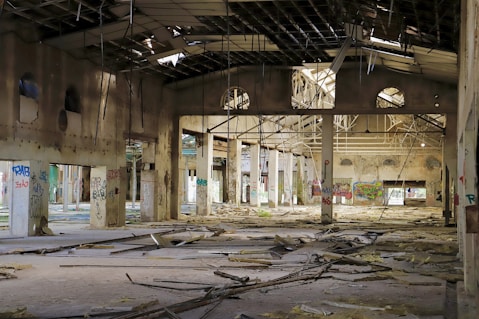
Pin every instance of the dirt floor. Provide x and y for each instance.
(373, 262)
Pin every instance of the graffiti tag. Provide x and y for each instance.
(369, 191)
(471, 198)
(201, 182)
(21, 170)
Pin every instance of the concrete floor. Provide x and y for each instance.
(401, 261)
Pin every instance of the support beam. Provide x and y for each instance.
(288, 179)
(204, 165)
(327, 170)
(234, 172)
(29, 198)
(107, 200)
(255, 175)
(273, 178)
(300, 185)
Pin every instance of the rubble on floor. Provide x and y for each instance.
(282, 266)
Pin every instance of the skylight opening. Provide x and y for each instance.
(173, 59)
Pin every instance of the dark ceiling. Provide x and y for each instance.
(283, 33)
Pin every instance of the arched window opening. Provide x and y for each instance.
(72, 100)
(390, 98)
(28, 87)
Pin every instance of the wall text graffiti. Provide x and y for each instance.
(21, 170)
(367, 190)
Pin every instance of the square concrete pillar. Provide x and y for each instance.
(327, 169)
(149, 196)
(29, 198)
(273, 178)
(255, 175)
(469, 239)
(106, 197)
(288, 179)
(234, 172)
(204, 166)
(300, 184)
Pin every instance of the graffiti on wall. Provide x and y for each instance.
(471, 198)
(201, 182)
(98, 194)
(369, 191)
(112, 174)
(37, 190)
(343, 190)
(326, 201)
(316, 188)
(25, 179)
(21, 170)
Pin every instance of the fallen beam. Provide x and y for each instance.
(43, 251)
(218, 294)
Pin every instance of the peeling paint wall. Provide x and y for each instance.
(467, 143)
(39, 125)
(368, 172)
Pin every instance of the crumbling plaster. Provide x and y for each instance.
(467, 132)
(371, 168)
(269, 91)
(110, 115)
(358, 92)
(54, 71)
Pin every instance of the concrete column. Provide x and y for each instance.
(78, 187)
(273, 178)
(449, 160)
(186, 181)
(133, 180)
(65, 188)
(204, 166)
(149, 184)
(149, 196)
(176, 158)
(29, 198)
(234, 172)
(255, 175)
(300, 185)
(288, 179)
(107, 197)
(469, 199)
(327, 170)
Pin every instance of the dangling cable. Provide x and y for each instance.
(399, 175)
(102, 69)
(107, 94)
(130, 123)
(228, 93)
(140, 95)
(203, 97)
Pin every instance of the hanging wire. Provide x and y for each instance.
(107, 94)
(399, 176)
(130, 122)
(102, 69)
(203, 97)
(78, 12)
(228, 92)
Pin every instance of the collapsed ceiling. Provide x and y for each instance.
(181, 39)
(199, 37)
